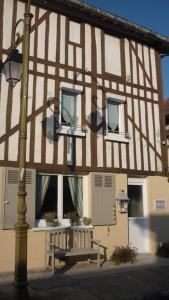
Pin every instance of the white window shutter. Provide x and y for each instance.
(10, 197)
(103, 199)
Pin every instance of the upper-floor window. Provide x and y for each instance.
(115, 118)
(68, 108)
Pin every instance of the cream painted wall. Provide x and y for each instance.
(157, 189)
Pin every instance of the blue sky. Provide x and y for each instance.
(153, 14)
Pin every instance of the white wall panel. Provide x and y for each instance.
(98, 50)
(157, 128)
(39, 92)
(16, 105)
(28, 142)
(112, 55)
(60, 149)
(123, 156)
(131, 145)
(2, 150)
(134, 64)
(79, 151)
(100, 132)
(116, 155)
(41, 40)
(153, 68)
(143, 117)
(3, 104)
(52, 37)
(62, 39)
(127, 60)
(88, 133)
(78, 57)
(146, 63)
(13, 147)
(70, 150)
(138, 149)
(88, 47)
(7, 23)
(152, 159)
(74, 32)
(38, 138)
(70, 56)
(108, 154)
(50, 134)
(30, 94)
(150, 123)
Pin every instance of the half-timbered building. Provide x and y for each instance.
(95, 127)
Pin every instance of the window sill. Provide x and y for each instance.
(116, 138)
(45, 228)
(75, 131)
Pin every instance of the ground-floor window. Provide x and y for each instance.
(60, 194)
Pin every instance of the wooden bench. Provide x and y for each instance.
(61, 243)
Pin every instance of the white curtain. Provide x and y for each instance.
(76, 189)
(69, 108)
(113, 116)
(42, 186)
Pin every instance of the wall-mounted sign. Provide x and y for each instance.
(159, 204)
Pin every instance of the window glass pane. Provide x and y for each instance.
(72, 195)
(68, 108)
(113, 117)
(46, 195)
(135, 194)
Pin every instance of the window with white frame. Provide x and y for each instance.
(115, 130)
(70, 108)
(60, 194)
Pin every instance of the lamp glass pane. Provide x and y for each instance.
(7, 70)
(16, 70)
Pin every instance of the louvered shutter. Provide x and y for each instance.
(10, 197)
(103, 199)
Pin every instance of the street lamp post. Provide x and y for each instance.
(21, 227)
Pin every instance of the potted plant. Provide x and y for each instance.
(50, 218)
(87, 221)
(74, 218)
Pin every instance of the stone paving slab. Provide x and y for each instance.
(146, 280)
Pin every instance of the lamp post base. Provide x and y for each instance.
(20, 276)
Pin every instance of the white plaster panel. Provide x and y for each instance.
(88, 46)
(106, 83)
(121, 87)
(127, 58)
(155, 97)
(60, 149)
(70, 74)
(153, 68)
(146, 63)
(51, 70)
(70, 149)
(41, 68)
(152, 159)
(50, 134)
(16, 105)
(108, 154)
(7, 23)
(28, 142)
(61, 72)
(74, 32)
(2, 151)
(39, 92)
(123, 156)
(141, 78)
(31, 65)
(38, 136)
(138, 149)
(128, 89)
(150, 123)
(3, 104)
(78, 152)
(32, 38)
(41, 40)
(145, 154)
(143, 117)
(134, 67)
(30, 94)
(157, 128)
(149, 95)
(42, 12)
(116, 155)
(52, 37)
(62, 39)
(100, 132)
(70, 56)
(131, 145)
(88, 78)
(32, 10)
(112, 55)
(88, 117)
(78, 57)
(142, 93)
(114, 85)
(13, 147)
(135, 91)
(51, 88)
(98, 50)
(159, 165)
(136, 113)
(129, 106)
(19, 15)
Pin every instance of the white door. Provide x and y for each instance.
(137, 214)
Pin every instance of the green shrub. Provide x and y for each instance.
(124, 254)
(163, 250)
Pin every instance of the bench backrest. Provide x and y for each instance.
(70, 238)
